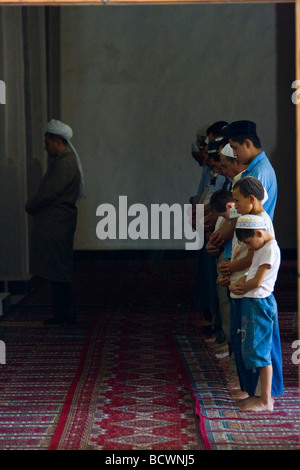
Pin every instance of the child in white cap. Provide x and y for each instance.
(248, 195)
(261, 348)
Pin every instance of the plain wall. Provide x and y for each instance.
(138, 81)
(135, 83)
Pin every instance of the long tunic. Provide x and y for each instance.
(54, 214)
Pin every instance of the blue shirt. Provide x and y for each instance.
(262, 169)
(228, 249)
(216, 182)
(204, 179)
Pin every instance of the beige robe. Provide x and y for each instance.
(54, 213)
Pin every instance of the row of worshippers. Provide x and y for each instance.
(238, 189)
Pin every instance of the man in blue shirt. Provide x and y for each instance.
(247, 148)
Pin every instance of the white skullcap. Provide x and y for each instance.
(227, 151)
(60, 128)
(251, 221)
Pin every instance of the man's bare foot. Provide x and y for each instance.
(239, 395)
(257, 404)
(210, 339)
(224, 366)
(220, 347)
(203, 323)
(233, 384)
(244, 399)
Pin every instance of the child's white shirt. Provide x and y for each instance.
(240, 250)
(269, 254)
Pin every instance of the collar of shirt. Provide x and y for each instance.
(261, 156)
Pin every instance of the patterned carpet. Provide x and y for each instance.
(222, 425)
(134, 373)
(110, 382)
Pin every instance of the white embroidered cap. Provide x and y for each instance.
(251, 221)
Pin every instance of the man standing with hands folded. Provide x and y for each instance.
(54, 213)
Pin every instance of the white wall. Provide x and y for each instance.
(138, 81)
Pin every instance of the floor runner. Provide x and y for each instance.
(222, 425)
(139, 400)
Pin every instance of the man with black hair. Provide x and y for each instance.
(215, 129)
(247, 148)
(206, 274)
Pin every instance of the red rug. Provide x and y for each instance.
(112, 382)
(131, 395)
(134, 374)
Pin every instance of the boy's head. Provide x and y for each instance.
(251, 230)
(243, 140)
(221, 202)
(247, 193)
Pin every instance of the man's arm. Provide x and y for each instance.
(225, 232)
(52, 185)
(230, 267)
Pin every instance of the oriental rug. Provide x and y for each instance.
(112, 381)
(134, 373)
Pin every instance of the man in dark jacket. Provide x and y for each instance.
(54, 213)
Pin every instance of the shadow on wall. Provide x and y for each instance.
(10, 216)
(13, 239)
(284, 157)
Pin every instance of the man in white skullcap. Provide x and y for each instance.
(54, 212)
(231, 166)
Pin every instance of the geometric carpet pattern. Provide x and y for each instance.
(134, 373)
(40, 365)
(112, 381)
(223, 426)
(138, 400)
